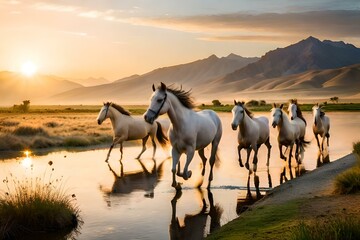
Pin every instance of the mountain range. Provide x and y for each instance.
(307, 69)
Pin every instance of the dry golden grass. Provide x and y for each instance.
(44, 130)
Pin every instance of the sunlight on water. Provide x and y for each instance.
(27, 161)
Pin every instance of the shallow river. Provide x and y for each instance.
(143, 205)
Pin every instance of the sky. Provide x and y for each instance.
(119, 38)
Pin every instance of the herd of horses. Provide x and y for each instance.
(192, 131)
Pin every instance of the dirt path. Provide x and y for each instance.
(317, 183)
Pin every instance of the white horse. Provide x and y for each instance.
(289, 131)
(297, 117)
(190, 130)
(253, 132)
(321, 126)
(128, 128)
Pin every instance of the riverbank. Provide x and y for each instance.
(307, 198)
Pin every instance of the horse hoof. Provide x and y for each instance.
(106, 160)
(255, 167)
(247, 166)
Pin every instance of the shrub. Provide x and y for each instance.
(348, 181)
(11, 142)
(337, 228)
(29, 131)
(76, 141)
(33, 205)
(9, 124)
(252, 103)
(356, 148)
(51, 124)
(216, 102)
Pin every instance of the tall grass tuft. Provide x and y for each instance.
(349, 181)
(35, 205)
(29, 131)
(337, 228)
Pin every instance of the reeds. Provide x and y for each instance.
(34, 205)
(349, 181)
(337, 228)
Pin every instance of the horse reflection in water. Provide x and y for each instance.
(126, 183)
(322, 158)
(244, 203)
(194, 224)
(296, 171)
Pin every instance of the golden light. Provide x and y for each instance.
(27, 161)
(28, 69)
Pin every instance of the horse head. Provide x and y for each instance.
(277, 115)
(292, 109)
(158, 104)
(238, 114)
(103, 114)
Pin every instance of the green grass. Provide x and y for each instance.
(36, 205)
(337, 228)
(349, 181)
(268, 222)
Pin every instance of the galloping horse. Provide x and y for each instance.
(128, 128)
(321, 126)
(289, 131)
(190, 130)
(297, 117)
(253, 132)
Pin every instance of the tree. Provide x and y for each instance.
(24, 107)
(334, 99)
(216, 103)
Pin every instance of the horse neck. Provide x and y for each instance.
(317, 119)
(284, 124)
(245, 122)
(115, 117)
(177, 112)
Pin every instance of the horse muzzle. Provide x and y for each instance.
(149, 119)
(234, 126)
(273, 124)
(99, 122)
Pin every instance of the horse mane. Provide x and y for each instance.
(298, 110)
(248, 112)
(119, 108)
(183, 96)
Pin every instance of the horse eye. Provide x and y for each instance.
(242, 111)
(159, 100)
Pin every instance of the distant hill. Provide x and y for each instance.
(341, 82)
(14, 87)
(137, 88)
(308, 54)
(91, 81)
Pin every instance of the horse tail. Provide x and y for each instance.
(303, 143)
(160, 135)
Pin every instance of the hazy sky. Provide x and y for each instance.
(118, 38)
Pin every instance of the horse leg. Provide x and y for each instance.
(268, 145)
(154, 147)
(248, 151)
(317, 140)
(144, 140)
(214, 147)
(290, 154)
(121, 150)
(297, 150)
(203, 158)
(190, 151)
(322, 143)
(178, 172)
(239, 149)
(327, 138)
(255, 159)
(108, 155)
(281, 153)
(175, 159)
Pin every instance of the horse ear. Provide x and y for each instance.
(153, 88)
(163, 86)
(281, 106)
(274, 105)
(235, 102)
(243, 103)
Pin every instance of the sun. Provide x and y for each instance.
(28, 69)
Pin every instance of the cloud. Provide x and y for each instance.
(54, 7)
(336, 23)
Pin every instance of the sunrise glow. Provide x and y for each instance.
(28, 69)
